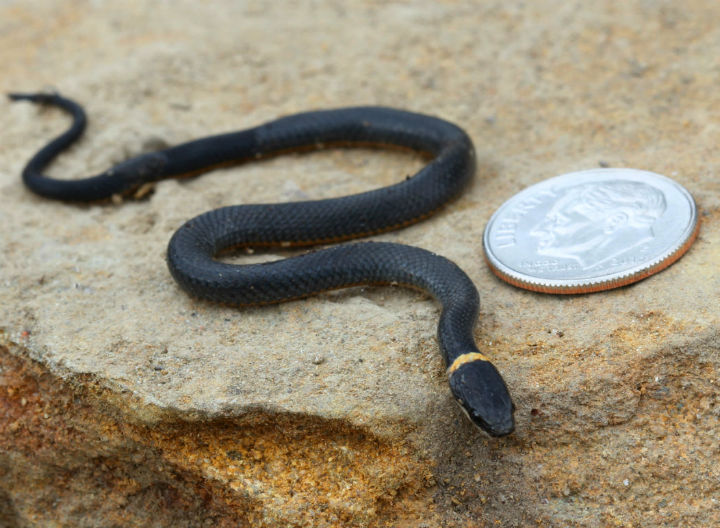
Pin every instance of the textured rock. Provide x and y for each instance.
(125, 403)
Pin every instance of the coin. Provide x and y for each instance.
(590, 231)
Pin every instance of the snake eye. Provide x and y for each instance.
(482, 394)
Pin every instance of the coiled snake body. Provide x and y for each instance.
(474, 381)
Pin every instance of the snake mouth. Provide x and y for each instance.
(497, 428)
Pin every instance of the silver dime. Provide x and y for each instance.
(590, 230)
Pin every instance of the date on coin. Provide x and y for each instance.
(590, 231)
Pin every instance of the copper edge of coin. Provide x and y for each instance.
(590, 231)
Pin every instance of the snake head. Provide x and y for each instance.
(482, 394)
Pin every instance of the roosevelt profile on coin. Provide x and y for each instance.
(592, 223)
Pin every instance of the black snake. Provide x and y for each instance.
(474, 381)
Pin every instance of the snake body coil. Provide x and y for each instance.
(474, 381)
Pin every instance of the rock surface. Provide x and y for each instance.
(123, 402)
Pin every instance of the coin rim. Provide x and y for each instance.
(601, 283)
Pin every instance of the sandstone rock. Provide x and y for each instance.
(123, 402)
